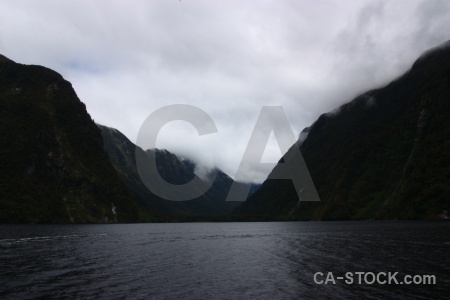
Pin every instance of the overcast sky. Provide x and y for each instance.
(126, 59)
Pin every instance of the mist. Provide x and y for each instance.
(228, 58)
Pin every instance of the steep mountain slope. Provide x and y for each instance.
(384, 155)
(174, 170)
(53, 166)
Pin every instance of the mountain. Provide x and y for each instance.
(384, 155)
(223, 182)
(174, 170)
(53, 166)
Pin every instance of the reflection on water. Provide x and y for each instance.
(220, 260)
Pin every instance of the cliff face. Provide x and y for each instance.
(174, 170)
(53, 166)
(384, 155)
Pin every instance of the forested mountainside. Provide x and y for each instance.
(174, 170)
(384, 155)
(53, 166)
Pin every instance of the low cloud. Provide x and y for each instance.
(229, 58)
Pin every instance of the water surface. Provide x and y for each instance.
(274, 260)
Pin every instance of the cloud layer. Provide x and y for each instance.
(229, 58)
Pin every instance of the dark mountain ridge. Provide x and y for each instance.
(53, 167)
(384, 155)
(174, 170)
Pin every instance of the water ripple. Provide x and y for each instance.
(219, 260)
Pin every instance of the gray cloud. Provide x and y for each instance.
(229, 58)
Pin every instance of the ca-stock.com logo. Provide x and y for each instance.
(270, 119)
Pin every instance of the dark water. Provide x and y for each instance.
(220, 260)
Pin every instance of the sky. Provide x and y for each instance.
(127, 59)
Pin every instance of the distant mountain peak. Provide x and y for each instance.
(174, 169)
